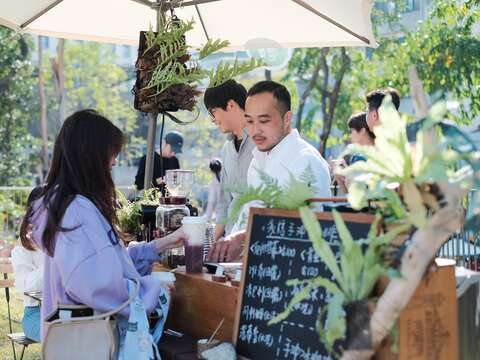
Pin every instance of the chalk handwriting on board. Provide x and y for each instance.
(279, 249)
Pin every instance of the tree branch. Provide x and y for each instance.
(311, 84)
(425, 244)
(332, 99)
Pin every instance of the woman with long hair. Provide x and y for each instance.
(75, 225)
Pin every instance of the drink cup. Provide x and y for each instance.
(194, 228)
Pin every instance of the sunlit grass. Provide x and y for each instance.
(16, 307)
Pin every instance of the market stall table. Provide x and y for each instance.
(199, 304)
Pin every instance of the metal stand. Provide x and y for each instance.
(152, 131)
(152, 119)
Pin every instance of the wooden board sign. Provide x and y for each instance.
(428, 326)
(277, 249)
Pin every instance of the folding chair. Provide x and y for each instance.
(16, 338)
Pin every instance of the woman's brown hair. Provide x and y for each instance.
(35, 194)
(82, 153)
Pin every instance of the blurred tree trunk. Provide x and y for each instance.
(43, 111)
(329, 98)
(59, 80)
(311, 84)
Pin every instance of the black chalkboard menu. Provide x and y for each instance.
(278, 249)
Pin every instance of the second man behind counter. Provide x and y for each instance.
(171, 146)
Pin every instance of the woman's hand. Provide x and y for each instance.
(173, 240)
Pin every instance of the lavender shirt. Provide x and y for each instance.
(89, 266)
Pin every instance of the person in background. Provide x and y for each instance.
(27, 262)
(75, 225)
(214, 192)
(226, 105)
(374, 101)
(280, 152)
(171, 146)
(360, 134)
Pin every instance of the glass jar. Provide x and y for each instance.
(170, 213)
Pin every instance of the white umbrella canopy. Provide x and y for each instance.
(247, 24)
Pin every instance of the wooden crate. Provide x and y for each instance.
(428, 326)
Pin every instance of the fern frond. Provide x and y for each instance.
(212, 46)
(227, 71)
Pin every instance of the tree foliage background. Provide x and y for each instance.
(444, 49)
(327, 85)
(16, 107)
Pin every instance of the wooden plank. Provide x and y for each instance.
(330, 200)
(6, 269)
(428, 326)
(353, 217)
(199, 304)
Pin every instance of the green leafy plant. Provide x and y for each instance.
(129, 213)
(397, 177)
(291, 197)
(408, 185)
(226, 70)
(169, 53)
(212, 46)
(168, 75)
(355, 275)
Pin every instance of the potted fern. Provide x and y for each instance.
(130, 213)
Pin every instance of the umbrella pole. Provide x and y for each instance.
(152, 120)
(152, 131)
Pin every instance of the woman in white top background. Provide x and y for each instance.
(214, 192)
(28, 268)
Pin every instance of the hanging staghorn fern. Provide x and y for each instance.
(167, 75)
(165, 81)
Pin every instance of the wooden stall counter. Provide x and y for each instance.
(199, 304)
(427, 326)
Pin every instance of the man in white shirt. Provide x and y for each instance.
(279, 152)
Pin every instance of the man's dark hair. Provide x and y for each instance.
(219, 96)
(375, 98)
(358, 122)
(279, 92)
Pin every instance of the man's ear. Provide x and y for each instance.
(231, 104)
(287, 119)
